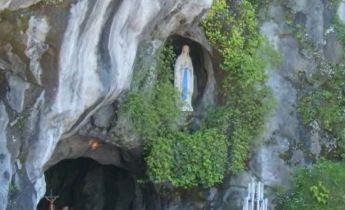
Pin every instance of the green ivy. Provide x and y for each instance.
(319, 188)
(245, 98)
(156, 108)
(323, 186)
(190, 159)
(319, 193)
(183, 158)
(173, 155)
(326, 103)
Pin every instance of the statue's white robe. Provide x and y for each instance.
(184, 62)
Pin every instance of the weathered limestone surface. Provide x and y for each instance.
(36, 36)
(286, 142)
(16, 94)
(5, 158)
(16, 4)
(66, 66)
(94, 66)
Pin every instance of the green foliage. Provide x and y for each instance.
(12, 187)
(179, 157)
(326, 104)
(190, 159)
(52, 2)
(319, 193)
(259, 3)
(246, 99)
(156, 108)
(222, 144)
(320, 188)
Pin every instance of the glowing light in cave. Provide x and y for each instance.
(94, 144)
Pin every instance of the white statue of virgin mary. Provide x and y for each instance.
(184, 78)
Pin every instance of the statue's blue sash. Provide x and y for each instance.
(185, 84)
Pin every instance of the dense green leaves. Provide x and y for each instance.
(326, 104)
(155, 108)
(245, 54)
(320, 188)
(173, 154)
(323, 186)
(190, 159)
(176, 155)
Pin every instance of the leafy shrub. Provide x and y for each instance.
(188, 159)
(323, 187)
(319, 188)
(177, 156)
(326, 104)
(155, 108)
(320, 193)
(246, 100)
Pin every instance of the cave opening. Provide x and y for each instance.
(85, 184)
(197, 53)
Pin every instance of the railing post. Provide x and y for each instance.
(255, 198)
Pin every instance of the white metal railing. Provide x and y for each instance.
(255, 198)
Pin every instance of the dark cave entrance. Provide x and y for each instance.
(197, 53)
(84, 184)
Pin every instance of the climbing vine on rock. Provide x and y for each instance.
(319, 188)
(246, 100)
(173, 155)
(184, 158)
(190, 159)
(326, 103)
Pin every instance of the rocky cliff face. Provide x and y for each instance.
(13, 5)
(304, 35)
(64, 66)
(67, 61)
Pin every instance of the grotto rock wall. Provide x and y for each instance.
(16, 4)
(64, 66)
(69, 59)
(302, 31)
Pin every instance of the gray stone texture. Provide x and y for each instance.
(80, 58)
